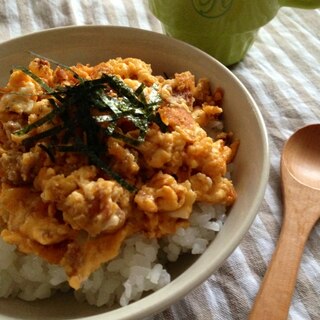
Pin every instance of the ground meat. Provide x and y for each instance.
(96, 207)
(60, 206)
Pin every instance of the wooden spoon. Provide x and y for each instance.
(300, 173)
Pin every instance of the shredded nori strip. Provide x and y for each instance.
(88, 113)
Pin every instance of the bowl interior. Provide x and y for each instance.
(93, 44)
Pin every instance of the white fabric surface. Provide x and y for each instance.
(282, 72)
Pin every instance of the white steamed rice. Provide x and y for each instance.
(136, 270)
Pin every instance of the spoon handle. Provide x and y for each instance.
(274, 297)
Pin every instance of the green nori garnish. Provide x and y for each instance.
(90, 111)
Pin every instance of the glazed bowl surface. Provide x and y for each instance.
(94, 44)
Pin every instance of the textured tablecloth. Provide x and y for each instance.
(282, 72)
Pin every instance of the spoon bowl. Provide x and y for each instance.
(300, 175)
(301, 156)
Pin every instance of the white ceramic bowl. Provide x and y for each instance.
(93, 44)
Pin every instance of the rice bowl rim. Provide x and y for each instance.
(180, 286)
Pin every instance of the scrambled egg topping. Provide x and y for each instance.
(67, 210)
